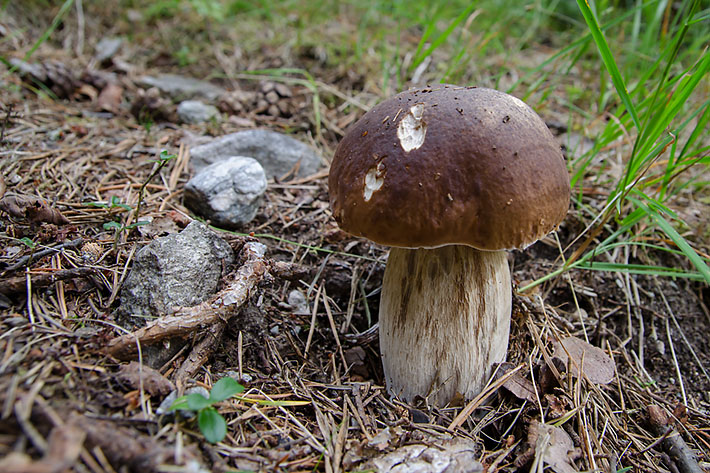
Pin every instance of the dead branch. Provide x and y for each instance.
(186, 320)
(673, 443)
(289, 271)
(200, 353)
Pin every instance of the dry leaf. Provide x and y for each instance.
(154, 383)
(31, 208)
(384, 439)
(557, 407)
(109, 99)
(519, 385)
(553, 447)
(87, 91)
(598, 366)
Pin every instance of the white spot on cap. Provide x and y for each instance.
(374, 179)
(412, 129)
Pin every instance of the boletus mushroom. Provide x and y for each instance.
(449, 177)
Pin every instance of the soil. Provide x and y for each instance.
(65, 406)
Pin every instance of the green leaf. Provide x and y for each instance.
(139, 223)
(197, 401)
(164, 156)
(112, 225)
(180, 404)
(28, 242)
(224, 389)
(212, 424)
(116, 202)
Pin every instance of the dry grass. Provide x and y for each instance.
(63, 403)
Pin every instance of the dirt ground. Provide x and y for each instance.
(70, 404)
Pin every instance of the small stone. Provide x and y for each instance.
(107, 48)
(198, 390)
(194, 111)
(283, 90)
(236, 101)
(228, 193)
(272, 97)
(278, 154)
(181, 88)
(164, 407)
(297, 301)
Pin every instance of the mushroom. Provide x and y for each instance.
(449, 177)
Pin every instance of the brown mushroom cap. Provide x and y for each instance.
(449, 165)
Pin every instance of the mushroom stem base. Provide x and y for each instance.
(444, 320)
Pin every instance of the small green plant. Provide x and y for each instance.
(163, 159)
(27, 242)
(115, 202)
(211, 423)
(145, 118)
(112, 206)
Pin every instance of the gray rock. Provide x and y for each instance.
(297, 300)
(107, 48)
(228, 192)
(279, 154)
(179, 270)
(194, 111)
(181, 88)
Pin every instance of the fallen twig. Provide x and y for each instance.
(673, 444)
(22, 262)
(200, 353)
(18, 283)
(188, 319)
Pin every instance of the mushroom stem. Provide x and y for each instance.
(444, 320)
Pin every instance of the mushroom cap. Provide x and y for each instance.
(449, 165)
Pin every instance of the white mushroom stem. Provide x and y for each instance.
(444, 320)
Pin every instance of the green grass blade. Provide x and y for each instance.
(443, 36)
(676, 237)
(661, 271)
(583, 40)
(266, 402)
(608, 60)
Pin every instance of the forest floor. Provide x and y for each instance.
(67, 404)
